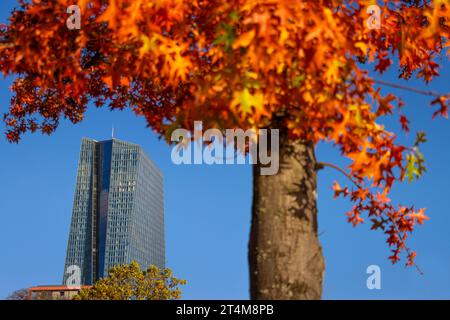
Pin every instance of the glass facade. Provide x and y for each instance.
(118, 213)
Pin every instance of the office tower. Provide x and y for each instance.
(118, 213)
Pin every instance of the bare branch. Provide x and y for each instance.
(399, 86)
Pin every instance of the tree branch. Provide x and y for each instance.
(399, 86)
(320, 165)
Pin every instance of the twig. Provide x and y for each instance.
(320, 165)
(399, 86)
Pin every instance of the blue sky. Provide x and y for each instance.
(208, 210)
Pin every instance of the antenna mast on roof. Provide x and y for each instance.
(112, 132)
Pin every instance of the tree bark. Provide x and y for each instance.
(285, 256)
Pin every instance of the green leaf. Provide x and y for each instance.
(297, 81)
(415, 165)
(420, 138)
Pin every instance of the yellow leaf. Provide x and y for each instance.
(244, 39)
(147, 45)
(332, 73)
(245, 100)
(362, 46)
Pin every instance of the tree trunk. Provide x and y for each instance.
(285, 255)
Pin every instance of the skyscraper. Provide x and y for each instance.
(118, 213)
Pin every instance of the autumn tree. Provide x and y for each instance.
(21, 294)
(125, 282)
(298, 66)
